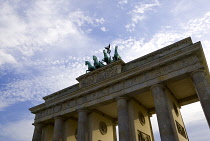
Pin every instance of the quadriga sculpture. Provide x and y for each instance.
(107, 58)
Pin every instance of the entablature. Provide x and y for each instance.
(184, 55)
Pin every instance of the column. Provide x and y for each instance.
(164, 115)
(203, 91)
(123, 120)
(82, 134)
(37, 132)
(58, 129)
(114, 132)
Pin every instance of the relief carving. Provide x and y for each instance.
(143, 136)
(121, 85)
(57, 108)
(181, 130)
(100, 76)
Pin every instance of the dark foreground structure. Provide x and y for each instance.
(127, 94)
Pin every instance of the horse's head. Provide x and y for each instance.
(86, 62)
(94, 57)
(104, 51)
(116, 47)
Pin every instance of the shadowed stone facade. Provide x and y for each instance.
(127, 94)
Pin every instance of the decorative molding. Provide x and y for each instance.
(100, 74)
(62, 92)
(197, 71)
(143, 136)
(158, 54)
(103, 127)
(181, 52)
(181, 130)
(109, 90)
(141, 118)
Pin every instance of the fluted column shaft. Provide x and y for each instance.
(203, 91)
(163, 113)
(37, 136)
(82, 133)
(58, 129)
(114, 132)
(123, 119)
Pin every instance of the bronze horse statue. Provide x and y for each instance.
(90, 67)
(116, 55)
(106, 58)
(97, 63)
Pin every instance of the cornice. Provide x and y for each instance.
(37, 108)
(62, 92)
(178, 54)
(160, 53)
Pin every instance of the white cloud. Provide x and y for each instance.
(44, 44)
(122, 1)
(6, 58)
(3, 105)
(41, 27)
(80, 18)
(103, 29)
(55, 75)
(192, 116)
(21, 130)
(182, 6)
(139, 13)
(197, 27)
(101, 20)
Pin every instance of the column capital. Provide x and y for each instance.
(58, 117)
(37, 124)
(123, 97)
(37, 131)
(157, 85)
(82, 110)
(196, 71)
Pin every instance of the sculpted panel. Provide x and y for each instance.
(100, 75)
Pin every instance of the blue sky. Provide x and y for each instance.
(44, 43)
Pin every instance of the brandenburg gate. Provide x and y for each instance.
(126, 95)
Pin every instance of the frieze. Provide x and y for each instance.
(100, 74)
(141, 78)
(111, 70)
